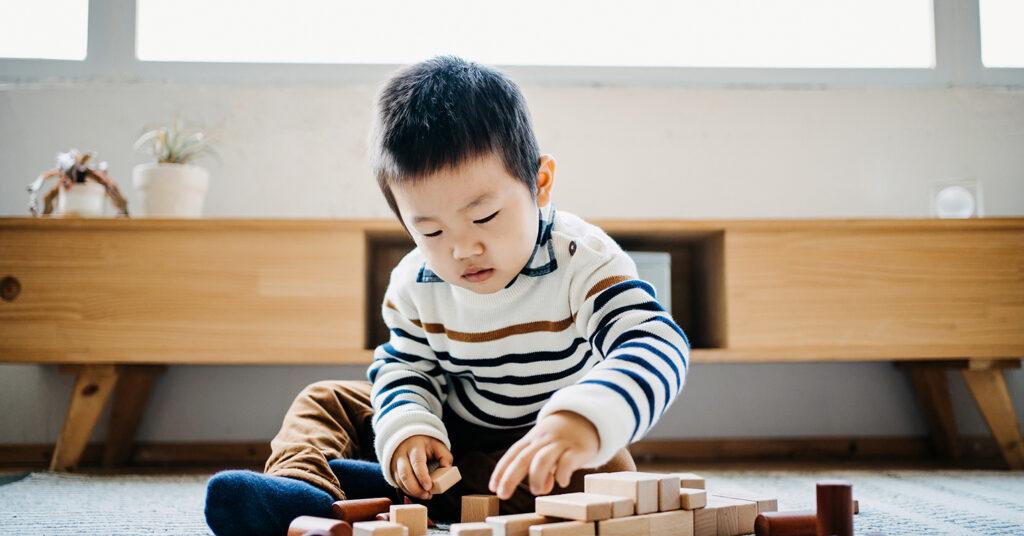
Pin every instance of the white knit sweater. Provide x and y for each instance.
(576, 330)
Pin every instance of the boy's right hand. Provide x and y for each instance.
(409, 464)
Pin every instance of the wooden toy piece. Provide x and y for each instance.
(443, 478)
(791, 523)
(835, 508)
(624, 526)
(470, 529)
(477, 508)
(764, 503)
(354, 510)
(643, 488)
(412, 516)
(565, 528)
(692, 498)
(583, 506)
(672, 523)
(690, 480)
(302, 525)
(379, 528)
(856, 506)
(705, 521)
(735, 516)
(515, 524)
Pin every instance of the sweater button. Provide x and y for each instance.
(572, 248)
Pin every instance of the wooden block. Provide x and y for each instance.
(673, 523)
(705, 521)
(319, 525)
(412, 516)
(835, 507)
(793, 523)
(643, 488)
(690, 480)
(565, 528)
(624, 526)
(444, 478)
(477, 508)
(764, 503)
(582, 506)
(692, 498)
(379, 528)
(470, 529)
(354, 510)
(516, 524)
(735, 516)
(856, 506)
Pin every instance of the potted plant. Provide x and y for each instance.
(81, 190)
(172, 185)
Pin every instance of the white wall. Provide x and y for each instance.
(299, 151)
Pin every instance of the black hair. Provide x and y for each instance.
(439, 113)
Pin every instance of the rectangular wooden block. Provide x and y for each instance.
(673, 523)
(470, 529)
(444, 478)
(735, 517)
(565, 528)
(477, 508)
(624, 526)
(412, 516)
(583, 506)
(692, 499)
(764, 503)
(379, 528)
(643, 488)
(705, 520)
(690, 480)
(516, 524)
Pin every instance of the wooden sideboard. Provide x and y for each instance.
(115, 300)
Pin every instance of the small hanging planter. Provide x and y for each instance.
(81, 190)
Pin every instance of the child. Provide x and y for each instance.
(523, 346)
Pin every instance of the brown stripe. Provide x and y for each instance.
(605, 283)
(487, 336)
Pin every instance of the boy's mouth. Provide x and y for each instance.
(477, 275)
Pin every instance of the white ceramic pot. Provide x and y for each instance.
(83, 199)
(171, 190)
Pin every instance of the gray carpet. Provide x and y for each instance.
(891, 502)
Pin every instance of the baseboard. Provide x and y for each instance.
(801, 449)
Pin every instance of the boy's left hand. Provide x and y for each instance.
(552, 450)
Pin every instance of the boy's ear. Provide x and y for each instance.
(545, 179)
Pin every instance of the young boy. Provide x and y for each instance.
(523, 346)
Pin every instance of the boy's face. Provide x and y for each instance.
(476, 224)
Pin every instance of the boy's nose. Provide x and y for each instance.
(466, 250)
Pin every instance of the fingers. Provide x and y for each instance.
(418, 459)
(542, 468)
(567, 464)
(516, 470)
(442, 454)
(407, 479)
(503, 463)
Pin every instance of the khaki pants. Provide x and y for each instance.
(331, 420)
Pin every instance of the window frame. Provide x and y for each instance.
(111, 57)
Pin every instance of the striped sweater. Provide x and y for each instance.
(576, 330)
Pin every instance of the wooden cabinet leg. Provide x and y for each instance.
(932, 388)
(989, 390)
(93, 386)
(134, 385)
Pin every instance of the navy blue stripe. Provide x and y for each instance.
(418, 381)
(401, 356)
(611, 292)
(674, 326)
(660, 354)
(531, 357)
(391, 396)
(637, 360)
(513, 379)
(608, 320)
(406, 335)
(385, 410)
(644, 386)
(486, 417)
(639, 333)
(498, 398)
(625, 396)
(435, 369)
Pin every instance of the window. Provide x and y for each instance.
(1002, 33)
(652, 33)
(44, 29)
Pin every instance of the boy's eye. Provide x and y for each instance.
(433, 234)
(488, 218)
